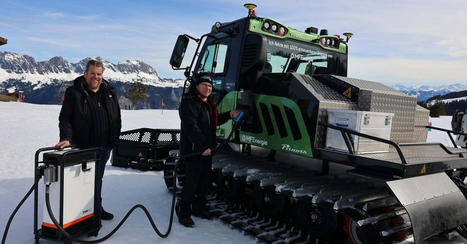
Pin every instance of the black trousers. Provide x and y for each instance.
(100, 168)
(195, 185)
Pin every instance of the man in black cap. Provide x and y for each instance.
(90, 117)
(199, 119)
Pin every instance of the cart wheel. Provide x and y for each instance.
(169, 175)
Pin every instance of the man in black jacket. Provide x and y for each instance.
(198, 135)
(90, 117)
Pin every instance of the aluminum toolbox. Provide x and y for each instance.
(370, 123)
(376, 97)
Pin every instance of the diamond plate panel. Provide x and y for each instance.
(323, 92)
(370, 85)
(422, 117)
(403, 108)
(377, 97)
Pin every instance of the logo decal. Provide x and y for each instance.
(289, 148)
(253, 140)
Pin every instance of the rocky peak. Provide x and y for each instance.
(130, 66)
(16, 63)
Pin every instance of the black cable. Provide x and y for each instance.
(148, 215)
(7, 227)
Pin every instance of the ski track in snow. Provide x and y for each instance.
(27, 127)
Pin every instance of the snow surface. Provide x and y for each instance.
(26, 127)
(448, 100)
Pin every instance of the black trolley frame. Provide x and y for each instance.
(71, 157)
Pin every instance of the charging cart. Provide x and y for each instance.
(71, 176)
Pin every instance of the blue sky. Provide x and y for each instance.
(395, 41)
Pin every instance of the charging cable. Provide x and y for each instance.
(69, 238)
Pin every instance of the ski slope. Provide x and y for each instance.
(26, 127)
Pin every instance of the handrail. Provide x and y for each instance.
(449, 133)
(461, 154)
(345, 133)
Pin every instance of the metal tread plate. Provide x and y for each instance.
(323, 92)
(423, 159)
(370, 85)
(433, 202)
(417, 154)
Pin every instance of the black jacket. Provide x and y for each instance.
(198, 123)
(75, 120)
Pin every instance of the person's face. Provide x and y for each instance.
(93, 77)
(204, 89)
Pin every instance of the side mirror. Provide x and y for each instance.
(253, 60)
(179, 51)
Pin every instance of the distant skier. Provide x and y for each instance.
(90, 117)
(199, 119)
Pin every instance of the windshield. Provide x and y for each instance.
(294, 56)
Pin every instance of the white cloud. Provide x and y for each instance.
(398, 70)
(417, 37)
(51, 41)
(54, 15)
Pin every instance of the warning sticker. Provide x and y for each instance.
(348, 93)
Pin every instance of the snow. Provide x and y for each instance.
(448, 100)
(440, 136)
(42, 79)
(454, 99)
(26, 127)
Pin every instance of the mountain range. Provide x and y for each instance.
(45, 82)
(425, 92)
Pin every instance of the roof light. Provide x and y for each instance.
(217, 26)
(311, 29)
(274, 28)
(266, 25)
(323, 41)
(281, 31)
(323, 32)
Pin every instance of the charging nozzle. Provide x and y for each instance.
(239, 117)
(50, 175)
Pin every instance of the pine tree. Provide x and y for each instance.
(437, 109)
(137, 91)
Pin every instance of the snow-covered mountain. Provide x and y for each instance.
(424, 92)
(45, 81)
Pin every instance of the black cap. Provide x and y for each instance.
(202, 77)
